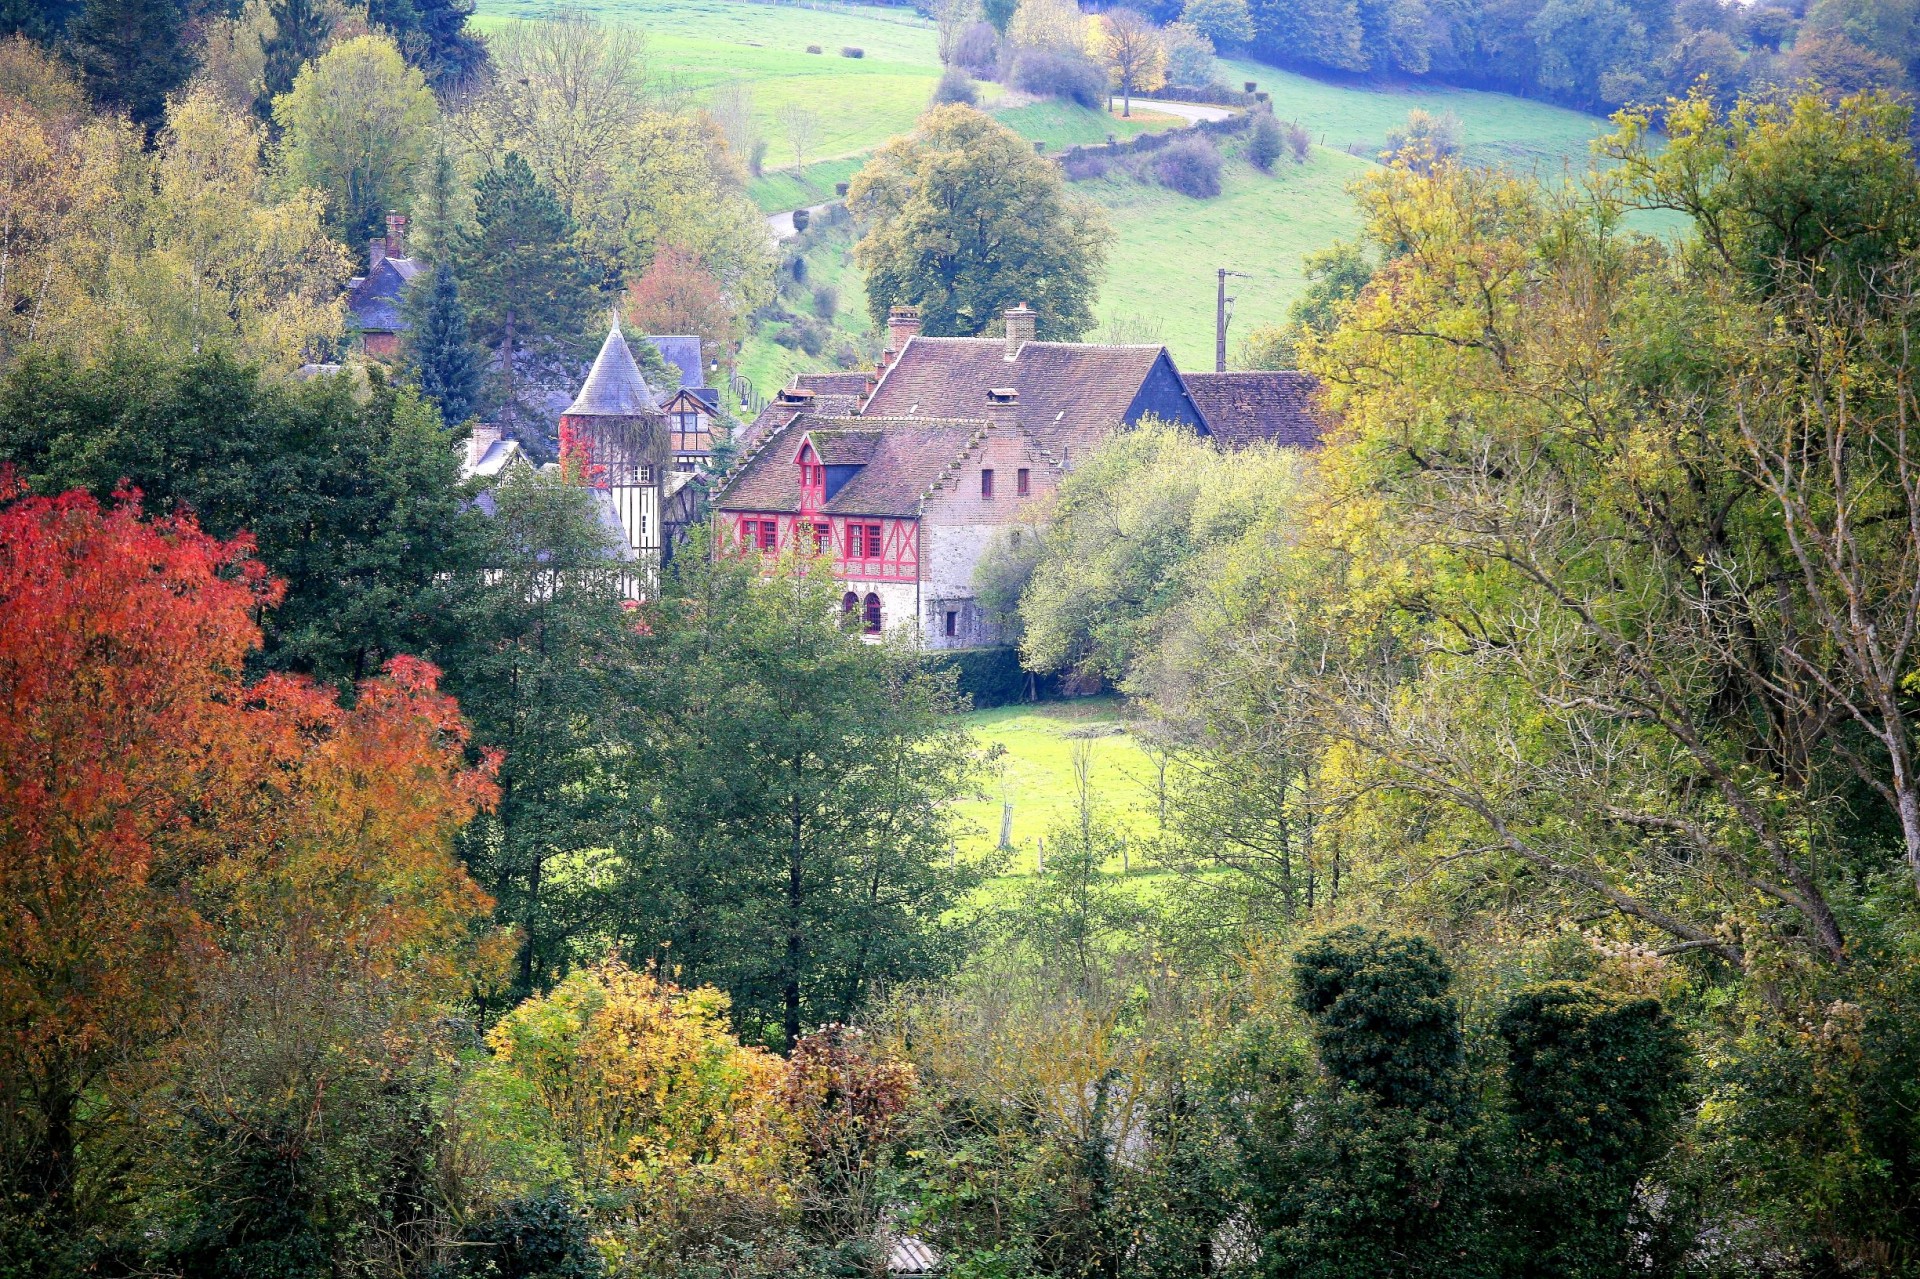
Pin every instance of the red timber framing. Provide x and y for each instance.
(895, 542)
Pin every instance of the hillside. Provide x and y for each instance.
(1167, 247)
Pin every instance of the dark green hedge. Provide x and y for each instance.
(993, 676)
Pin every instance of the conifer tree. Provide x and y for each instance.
(301, 28)
(446, 363)
(525, 277)
(132, 55)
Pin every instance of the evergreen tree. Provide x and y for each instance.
(524, 276)
(132, 56)
(301, 28)
(446, 364)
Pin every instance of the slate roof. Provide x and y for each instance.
(903, 459)
(1243, 407)
(614, 387)
(682, 351)
(374, 298)
(1072, 394)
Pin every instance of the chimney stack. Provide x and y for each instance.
(903, 322)
(1020, 322)
(1003, 407)
(376, 254)
(396, 235)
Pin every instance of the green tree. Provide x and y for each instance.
(796, 842)
(355, 505)
(440, 350)
(1593, 1086)
(542, 675)
(358, 124)
(524, 278)
(1337, 1188)
(132, 55)
(964, 221)
(999, 13)
(1227, 23)
(300, 32)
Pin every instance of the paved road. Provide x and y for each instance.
(1185, 110)
(781, 224)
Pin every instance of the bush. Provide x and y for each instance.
(978, 50)
(813, 48)
(757, 158)
(826, 301)
(1298, 140)
(805, 335)
(1081, 165)
(534, 1238)
(955, 86)
(1067, 76)
(993, 676)
(1191, 167)
(1267, 143)
(852, 51)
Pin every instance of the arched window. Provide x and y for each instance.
(849, 607)
(873, 614)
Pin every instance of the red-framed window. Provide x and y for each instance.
(986, 485)
(863, 541)
(1022, 482)
(759, 534)
(873, 615)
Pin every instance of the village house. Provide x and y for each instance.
(374, 300)
(902, 479)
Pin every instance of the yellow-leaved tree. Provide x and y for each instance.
(1131, 49)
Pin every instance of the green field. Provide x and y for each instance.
(1034, 773)
(1496, 128)
(1167, 247)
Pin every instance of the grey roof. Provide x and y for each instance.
(374, 298)
(614, 387)
(682, 351)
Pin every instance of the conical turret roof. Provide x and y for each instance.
(614, 387)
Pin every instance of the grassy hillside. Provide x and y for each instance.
(1168, 246)
(1498, 129)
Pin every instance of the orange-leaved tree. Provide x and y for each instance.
(156, 809)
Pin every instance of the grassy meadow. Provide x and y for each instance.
(1033, 771)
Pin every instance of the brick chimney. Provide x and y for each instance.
(485, 436)
(1003, 407)
(1020, 322)
(376, 254)
(903, 322)
(396, 235)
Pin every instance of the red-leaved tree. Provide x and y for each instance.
(676, 294)
(156, 809)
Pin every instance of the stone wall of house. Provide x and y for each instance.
(899, 601)
(960, 524)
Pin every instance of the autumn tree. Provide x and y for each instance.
(677, 296)
(161, 812)
(964, 221)
(357, 125)
(1131, 50)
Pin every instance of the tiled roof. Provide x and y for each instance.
(1243, 407)
(374, 298)
(908, 456)
(844, 448)
(614, 387)
(853, 385)
(682, 351)
(778, 413)
(1072, 394)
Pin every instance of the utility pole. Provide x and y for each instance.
(1222, 312)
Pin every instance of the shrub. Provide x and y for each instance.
(826, 301)
(533, 1238)
(1081, 165)
(978, 50)
(1191, 167)
(1266, 144)
(852, 51)
(1067, 76)
(805, 335)
(801, 218)
(955, 86)
(813, 48)
(757, 157)
(1424, 139)
(1298, 140)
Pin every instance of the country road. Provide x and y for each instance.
(1185, 110)
(781, 224)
